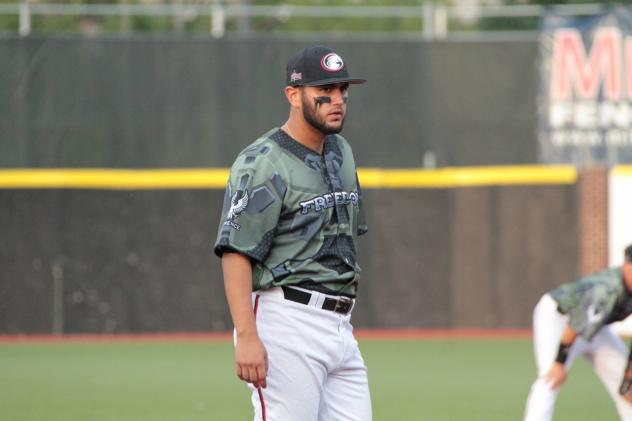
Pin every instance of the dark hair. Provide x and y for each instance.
(628, 253)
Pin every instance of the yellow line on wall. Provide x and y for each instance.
(622, 170)
(466, 176)
(215, 178)
(114, 179)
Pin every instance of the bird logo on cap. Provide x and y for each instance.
(332, 62)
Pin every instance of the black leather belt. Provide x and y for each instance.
(341, 305)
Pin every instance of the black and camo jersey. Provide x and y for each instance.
(594, 301)
(296, 214)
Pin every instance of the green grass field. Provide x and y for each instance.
(438, 379)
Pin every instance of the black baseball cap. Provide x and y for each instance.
(628, 253)
(317, 65)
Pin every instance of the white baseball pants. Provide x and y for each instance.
(623, 328)
(316, 371)
(606, 353)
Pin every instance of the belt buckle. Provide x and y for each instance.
(343, 305)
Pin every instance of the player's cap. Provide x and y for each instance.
(317, 65)
(628, 253)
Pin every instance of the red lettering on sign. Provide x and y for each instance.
(572, 67)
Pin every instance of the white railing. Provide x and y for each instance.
(434, 19)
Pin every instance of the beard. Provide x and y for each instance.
(318, 123)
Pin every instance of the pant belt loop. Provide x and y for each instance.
(353, 301)
(316, 300)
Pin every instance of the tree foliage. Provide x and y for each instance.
(188, 23)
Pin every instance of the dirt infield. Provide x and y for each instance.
(365, 334)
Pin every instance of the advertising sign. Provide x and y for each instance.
(585, 96)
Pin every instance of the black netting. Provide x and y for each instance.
(127, 102)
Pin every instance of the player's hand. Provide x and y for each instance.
(556, 376)
(625, 390)
(251, 360)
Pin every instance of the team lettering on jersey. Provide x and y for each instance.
(329, 200)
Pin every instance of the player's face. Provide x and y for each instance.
(325, 107)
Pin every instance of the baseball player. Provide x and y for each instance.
(573, 320)
(292, 214)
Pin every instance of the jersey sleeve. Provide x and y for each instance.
(593, 311)
(252, 205)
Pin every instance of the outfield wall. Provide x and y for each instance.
(446, 249)
(130, 251)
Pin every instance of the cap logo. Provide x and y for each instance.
(296, 76)
(332, 62)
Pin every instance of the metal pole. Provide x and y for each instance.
(428, 20)
(218, 21)
(25, 18)
(126, 19)
(178, 18)
(440, 21)
(243, 21)
(57, 272)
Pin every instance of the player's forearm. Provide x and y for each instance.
(238, 286)
(568, 336)
(566, 341)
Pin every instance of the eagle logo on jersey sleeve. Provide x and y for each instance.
(593, 314)
(238, 203)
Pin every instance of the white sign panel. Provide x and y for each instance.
(619, 212)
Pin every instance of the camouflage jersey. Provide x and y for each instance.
(594, 301)
(296, 214)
